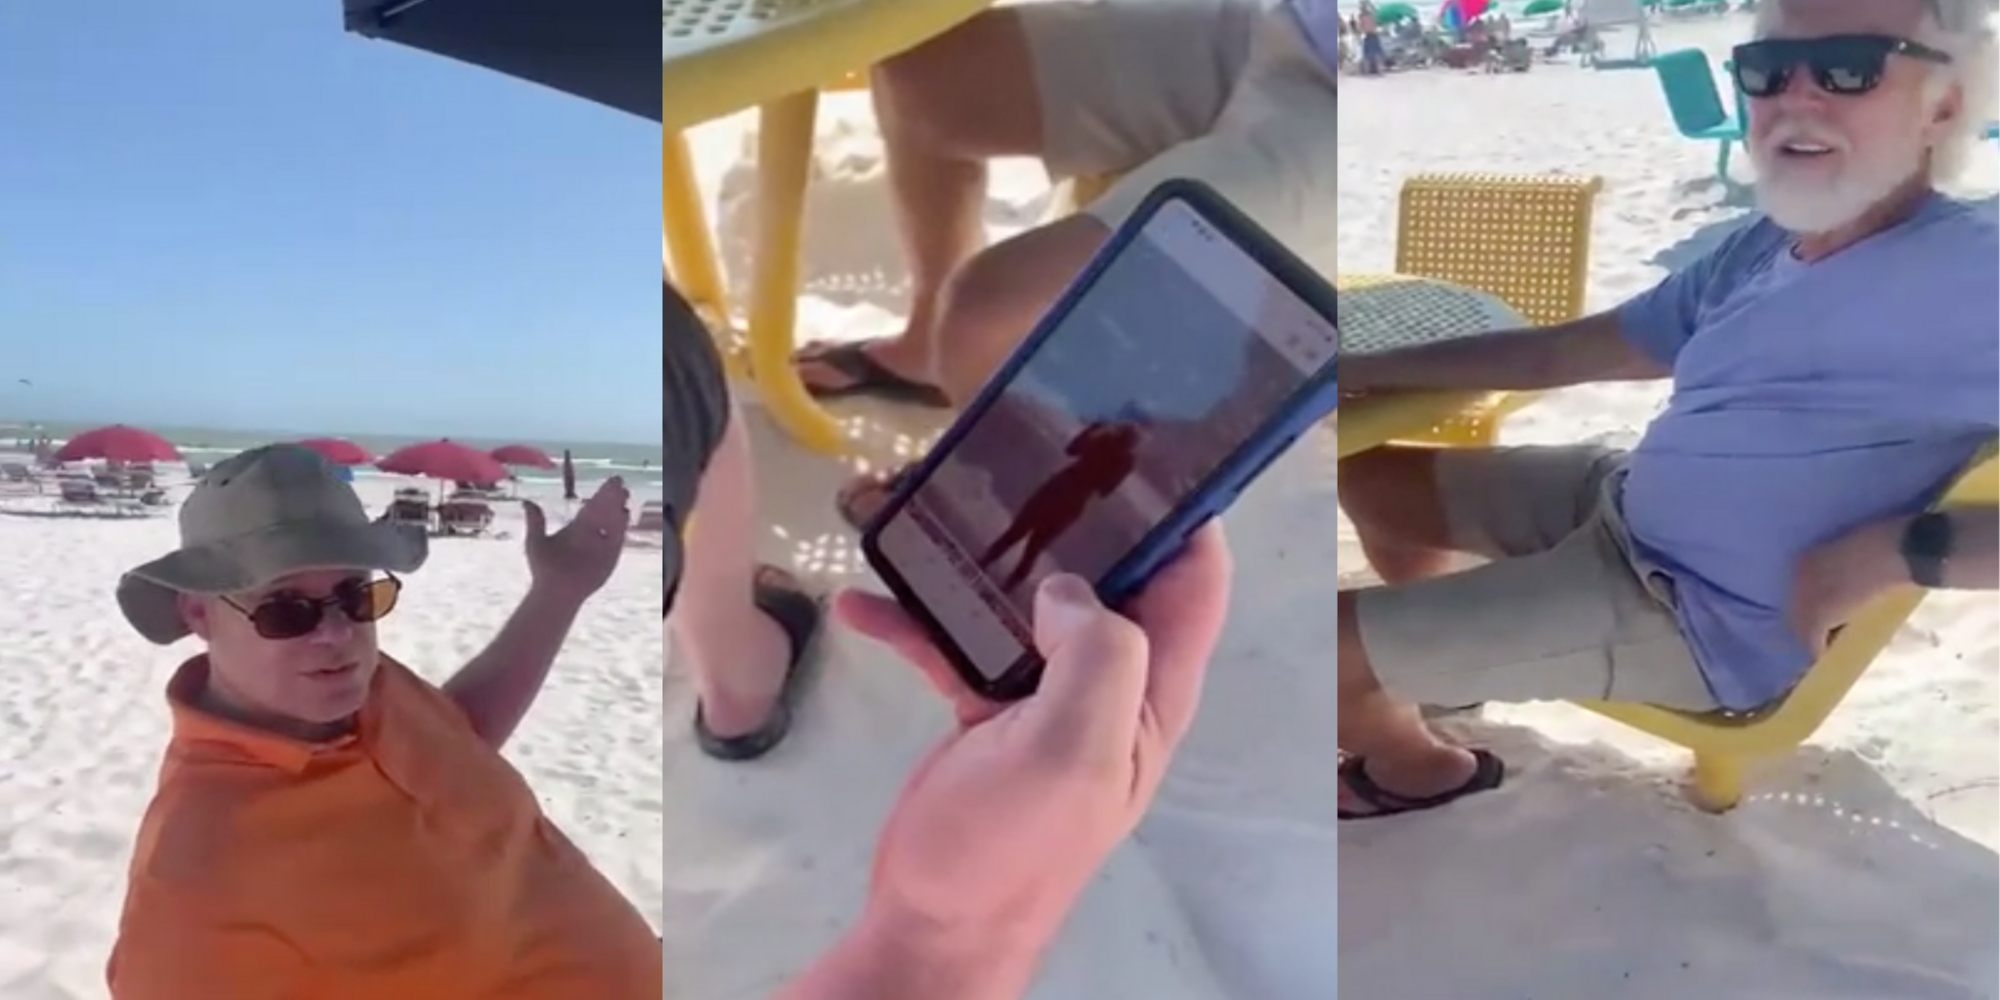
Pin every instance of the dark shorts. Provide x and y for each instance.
(697, 413)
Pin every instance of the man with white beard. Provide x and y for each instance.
(1834, 365)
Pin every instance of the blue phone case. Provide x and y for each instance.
(1312, 403)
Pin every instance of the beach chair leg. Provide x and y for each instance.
(691, 260)
(784, 163)
(1717, 782)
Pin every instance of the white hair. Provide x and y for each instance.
(1964, 30)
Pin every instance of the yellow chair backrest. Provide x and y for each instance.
(1724, 742)
(1522, 238)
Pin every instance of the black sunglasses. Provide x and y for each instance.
(292, 616)
(1839, 64)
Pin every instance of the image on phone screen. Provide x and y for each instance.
(1180, 351)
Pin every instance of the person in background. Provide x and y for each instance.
(1000, 828)
(328, 823)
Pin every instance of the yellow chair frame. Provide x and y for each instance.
(1725, 744)
(784, 161)
(1524, 239)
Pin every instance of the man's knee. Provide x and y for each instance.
(993, 301)
(1391, 494)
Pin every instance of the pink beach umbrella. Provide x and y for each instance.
(339, 451)
(445, 459)
(118, 443)
(523, 455)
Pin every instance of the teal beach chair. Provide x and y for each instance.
(1696, 104)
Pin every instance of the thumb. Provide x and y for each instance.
(1094, 681)
(538, 522)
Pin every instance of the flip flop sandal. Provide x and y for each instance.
(867, 378)
(1487, 774)
(801, 615)
(882, 485)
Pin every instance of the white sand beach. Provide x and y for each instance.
(83, 720)
(1863, 867)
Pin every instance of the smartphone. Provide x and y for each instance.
(1190, 353)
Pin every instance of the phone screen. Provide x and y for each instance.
(1177, 353)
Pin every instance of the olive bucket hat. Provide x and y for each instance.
(258, 516)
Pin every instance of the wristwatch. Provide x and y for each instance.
(1927, 548)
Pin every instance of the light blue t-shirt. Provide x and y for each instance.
(1319, 22)
(1808, 400)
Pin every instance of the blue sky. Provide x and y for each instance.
(232, 213)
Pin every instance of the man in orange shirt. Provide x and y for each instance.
(329, 826)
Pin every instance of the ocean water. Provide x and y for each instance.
(594, 460)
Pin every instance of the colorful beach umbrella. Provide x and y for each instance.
(521, 454)
(1456, 14)
(1390, 13)
(118, 443)
(339, 451)
(569, 476)
(444, 459)
(1537, 8)
(599, 50)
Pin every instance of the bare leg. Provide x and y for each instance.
(1404, 755)
(989, 306)
(992, 302)
(1391, 496)
(738, 654)
(945, 108)
(1007, 540)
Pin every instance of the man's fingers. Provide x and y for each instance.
(1087, 707)
(538, 522)
(885, 621)
(1182, 611)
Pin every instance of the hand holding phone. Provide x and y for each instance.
(1188, 356)
(1001, 826)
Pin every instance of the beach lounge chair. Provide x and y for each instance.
(1696, 103)
(1524, 239)
(652, 517)
(409, 506)
(1629, 14)
(1725, 743)
(464, 517)
(79, 491)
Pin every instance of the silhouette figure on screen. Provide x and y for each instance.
(1102, 455)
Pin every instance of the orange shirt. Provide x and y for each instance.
(407, 862)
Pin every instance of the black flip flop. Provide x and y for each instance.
(867, 377)
(1487, 774)
(801, 615)
(884, 484)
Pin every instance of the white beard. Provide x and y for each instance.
(1807, 205)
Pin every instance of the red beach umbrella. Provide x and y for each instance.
(447, 460)
(339, 451)
(521, 454)
(118, 443)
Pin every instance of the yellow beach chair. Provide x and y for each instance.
(1524, 239)
(1724, 744)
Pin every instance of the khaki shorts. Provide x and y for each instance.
(1565, 610)
(1221, 91)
